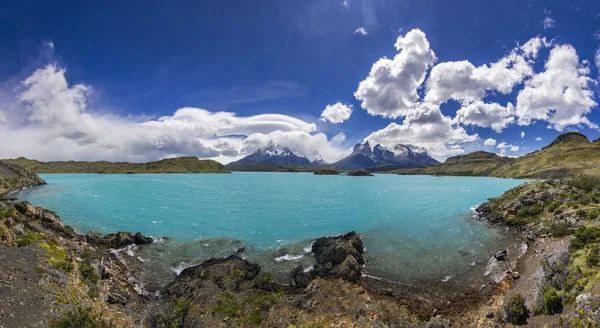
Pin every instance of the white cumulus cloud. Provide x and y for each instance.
(492, 115)
(504, 147)
(489, 142)
(336, 113)
(548, 22)
(427, 127)
(560, 95)
(462, 81)
(522, 134)
(390, 90)
(361, 30)
(538, 139)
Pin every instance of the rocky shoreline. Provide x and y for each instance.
(54, 276)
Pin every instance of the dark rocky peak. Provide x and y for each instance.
(364, 148)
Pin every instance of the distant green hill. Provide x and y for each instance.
(570, 153)
(170, 165)
(479, 163)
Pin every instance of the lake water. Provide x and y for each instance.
(414, 227)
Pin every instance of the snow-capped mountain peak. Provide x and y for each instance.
(274, 154)
(402, 155)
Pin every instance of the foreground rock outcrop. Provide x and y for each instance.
(558, 220)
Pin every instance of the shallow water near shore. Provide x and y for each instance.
(415, 228)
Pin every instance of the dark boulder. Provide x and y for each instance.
(501, 256)
(140, 239)
(21, 207)
(336, 249)
(339, 256)
(213, 275)
(118, 240)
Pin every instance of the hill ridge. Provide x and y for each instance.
(188, 164)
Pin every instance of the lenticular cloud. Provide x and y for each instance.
(49, 120)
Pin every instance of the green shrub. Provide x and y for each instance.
(228, 305)
(515, 309)
(553, 206)
(586, 183)
(90, 278)
(559, 229)
(259, 304)
(584, 236)
(592, 258)
(80, 318)
(264, 277)
(174, 316)
(592, 215)
(58, 257)
(552, 302)
(530, 211)
(30, 238)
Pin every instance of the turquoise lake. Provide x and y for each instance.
(414, 227)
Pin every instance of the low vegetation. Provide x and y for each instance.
(57, 256)
(327, 171)
(515, 310)
(360, 173)
(173, 316)
(81, 317)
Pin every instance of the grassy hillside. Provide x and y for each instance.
(15, 177)
(170, 165)
(571, 153)
(479, 163)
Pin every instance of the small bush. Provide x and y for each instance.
(30, 238)
(264, 277)
(229, 306)
(58, 257)
(584, 236)
(90, 278)
(560, 229)
(553, 206)
(174, 316)
(592, 215)
(515, 309)
(552, 302)
(592, 258)
(80, 318)
(586, 183)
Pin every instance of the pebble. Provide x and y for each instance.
(515, 275)
(489, 315)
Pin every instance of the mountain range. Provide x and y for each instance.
(363, 156)
(380, 157)
(570, 153)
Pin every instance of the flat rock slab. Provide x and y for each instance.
(23, 302)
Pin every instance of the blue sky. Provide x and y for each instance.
(135, 62)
